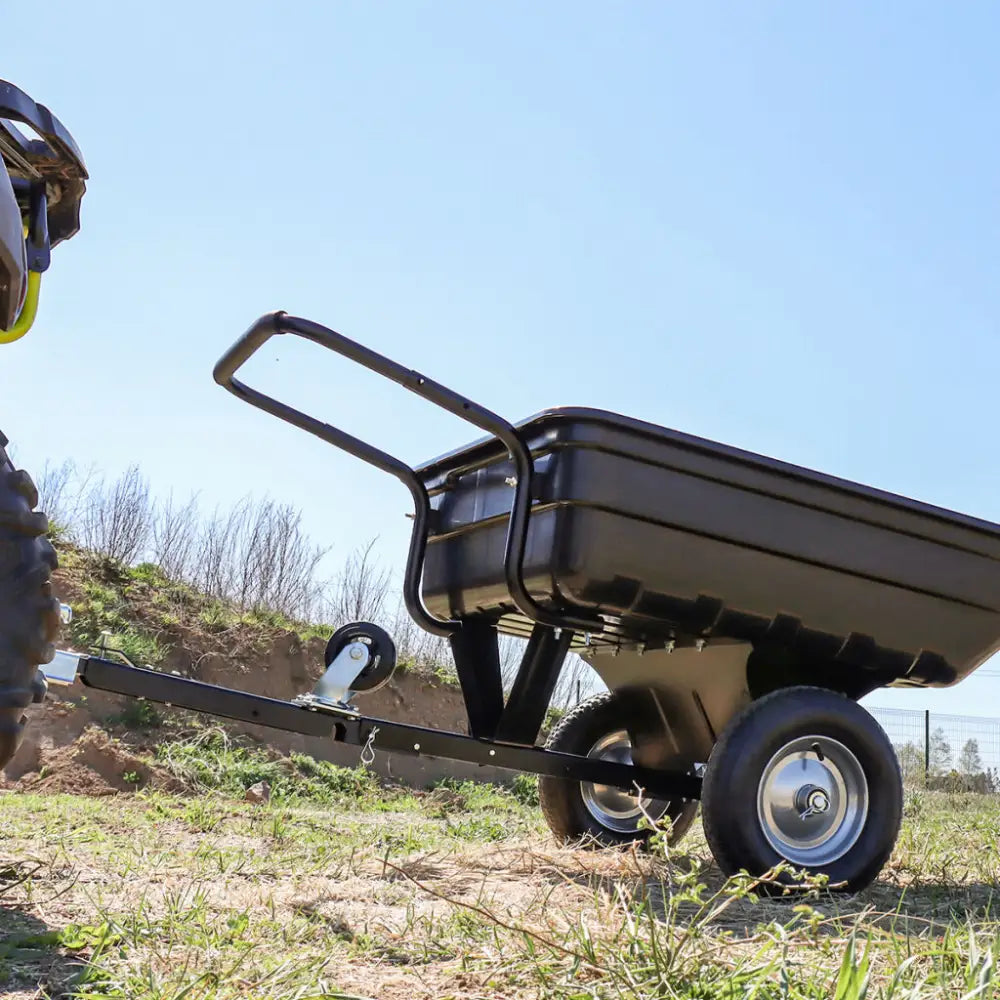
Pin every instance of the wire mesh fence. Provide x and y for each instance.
(949, 752)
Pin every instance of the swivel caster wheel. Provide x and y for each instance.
(359, 657)
(380, 656)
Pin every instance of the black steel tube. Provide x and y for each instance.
(255, 337)
(532, 689)
(517, 532)
(185, 692)
(393, 737)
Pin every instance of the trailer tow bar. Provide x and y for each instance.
(351, 728)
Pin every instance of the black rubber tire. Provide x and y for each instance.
(738, 761)
(29, 614)
(561, 799)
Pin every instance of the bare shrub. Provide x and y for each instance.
(415, 646)
(361, 588)
(577, 679)
(577, 682)
(213, 571)
(61, 494)
(175, 534)
(257, 556)
(54, 485)
(117, 519)
(511, 652)
(277, 560)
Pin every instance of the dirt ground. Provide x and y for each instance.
(94, 764)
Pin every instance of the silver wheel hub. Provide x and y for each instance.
(812, 801)
(613, 807)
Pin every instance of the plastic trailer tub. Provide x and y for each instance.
(736, 608)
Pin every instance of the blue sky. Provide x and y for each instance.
(773, 225)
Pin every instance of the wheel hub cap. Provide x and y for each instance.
(613, 807)
(812, 801)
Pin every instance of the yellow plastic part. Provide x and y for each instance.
(29, 311)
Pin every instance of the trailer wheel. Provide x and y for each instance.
(605, 815)
(29, 614)
(806, 776)
(382, 653)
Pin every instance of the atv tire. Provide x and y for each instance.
(29, 614)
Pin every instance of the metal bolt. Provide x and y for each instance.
(357, 651)
(819, 801)
(416, 746)
(814, 800)
(511, 480)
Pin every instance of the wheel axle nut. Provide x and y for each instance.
(811, 801)
(818, 801)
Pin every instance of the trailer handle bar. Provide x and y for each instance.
(275, 323)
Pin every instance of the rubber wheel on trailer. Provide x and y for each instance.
(600, 814)
(29, 614)
(806, 776)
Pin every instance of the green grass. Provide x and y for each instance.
(439, 673)
(213, 761)
(138, 606)
(143, 613)
(339, 888)
(105, 610)
(138, 715)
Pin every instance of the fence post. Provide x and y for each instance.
(927, 746)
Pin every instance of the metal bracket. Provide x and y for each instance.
(62, 669)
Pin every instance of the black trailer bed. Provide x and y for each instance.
(631, 535)
(675, 537)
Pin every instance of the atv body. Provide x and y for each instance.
(42, 181)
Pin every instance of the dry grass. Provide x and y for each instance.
(460, 894)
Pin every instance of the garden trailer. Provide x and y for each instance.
(736, 608)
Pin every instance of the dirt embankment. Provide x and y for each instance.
(67, 746)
